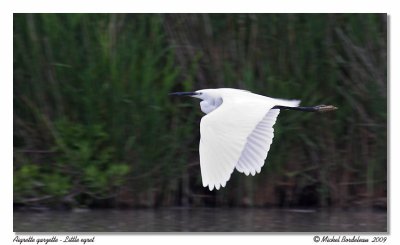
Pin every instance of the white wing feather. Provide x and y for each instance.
(259, 141)
(237, 134)
(257, 146)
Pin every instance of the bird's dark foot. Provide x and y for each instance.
(324, 108)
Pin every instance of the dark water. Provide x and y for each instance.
(201, 220)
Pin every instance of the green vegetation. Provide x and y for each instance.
(94, 125)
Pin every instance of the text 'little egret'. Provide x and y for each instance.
(237, 131)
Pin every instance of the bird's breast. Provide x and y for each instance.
(210, 105)
(206, 107)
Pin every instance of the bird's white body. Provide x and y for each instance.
(236, 132)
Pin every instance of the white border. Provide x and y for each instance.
(205, 6)
(7, 8)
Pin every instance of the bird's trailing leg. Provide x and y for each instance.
(318, 108)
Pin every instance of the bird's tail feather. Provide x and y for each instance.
(290, 103)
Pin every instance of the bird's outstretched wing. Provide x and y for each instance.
(224, 134)
(237, 134)
(257, 145)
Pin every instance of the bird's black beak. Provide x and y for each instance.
(184, 93)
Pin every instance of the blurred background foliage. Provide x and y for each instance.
(94, 125)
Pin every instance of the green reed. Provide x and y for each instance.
(93, 120)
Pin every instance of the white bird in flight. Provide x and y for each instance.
(237, 131)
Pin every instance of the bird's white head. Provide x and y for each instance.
(211, 98)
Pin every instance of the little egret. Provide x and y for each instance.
(237, 131)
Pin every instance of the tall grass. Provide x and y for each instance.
(92, 119)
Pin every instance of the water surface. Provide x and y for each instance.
(202, 220)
